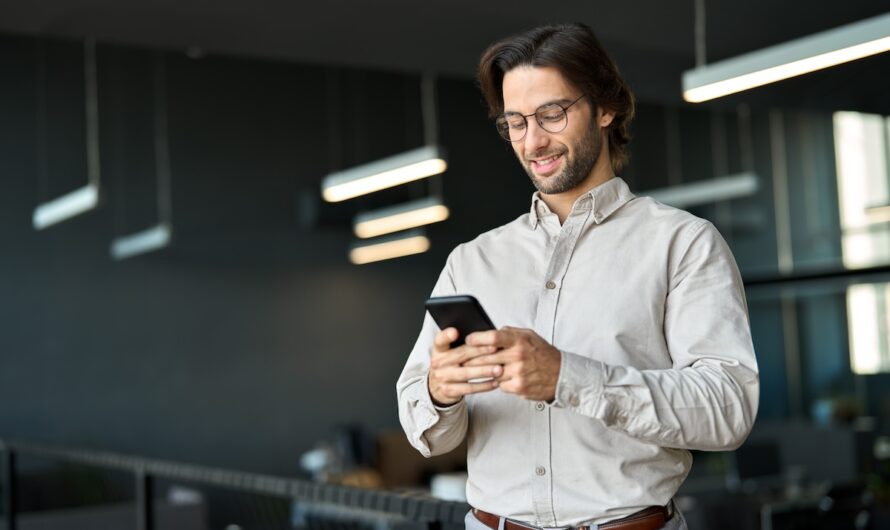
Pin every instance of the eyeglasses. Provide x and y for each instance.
(551, 117)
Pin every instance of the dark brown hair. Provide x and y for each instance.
(577, 54)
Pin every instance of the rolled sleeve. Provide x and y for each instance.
(430, 429)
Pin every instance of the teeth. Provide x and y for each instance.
(545, 161)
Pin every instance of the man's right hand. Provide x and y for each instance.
(447, 379)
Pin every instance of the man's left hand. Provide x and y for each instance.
(531, 364)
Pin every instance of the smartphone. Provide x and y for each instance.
(463, 312)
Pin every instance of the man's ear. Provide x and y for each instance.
(604, 117)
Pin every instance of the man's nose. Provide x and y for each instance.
(536, 137)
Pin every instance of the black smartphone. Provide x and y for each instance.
(463, 312)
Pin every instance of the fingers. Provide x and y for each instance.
(499, 338)
(459, 355)
(448, 385)
(492, 357)
(442, 341)
(458, 390)
(462, 374)
(457, 372)
(466, 353)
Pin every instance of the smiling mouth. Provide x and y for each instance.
(546, 165)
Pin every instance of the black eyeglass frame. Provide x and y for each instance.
(525, 117)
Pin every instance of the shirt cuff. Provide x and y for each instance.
(579, 387)
(447, 409)
(432, 413)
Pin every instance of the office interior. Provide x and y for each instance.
(242, 338)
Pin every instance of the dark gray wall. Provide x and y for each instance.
(252, 337)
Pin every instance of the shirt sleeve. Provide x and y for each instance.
(432, 430)
(708, 399)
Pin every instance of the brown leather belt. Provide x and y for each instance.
(652, 518)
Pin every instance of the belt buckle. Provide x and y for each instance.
(526, 525)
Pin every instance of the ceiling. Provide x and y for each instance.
(652, 40)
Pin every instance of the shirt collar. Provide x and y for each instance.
(604, 200)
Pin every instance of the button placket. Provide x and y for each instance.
(544, 324)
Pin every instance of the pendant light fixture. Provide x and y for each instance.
(428, 210)
(85, 198)
(400, 217)
(388, 247)
(160, 235)
(782, 61)
(718, 189)
(385, 173)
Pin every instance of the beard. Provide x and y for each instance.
(576, 169)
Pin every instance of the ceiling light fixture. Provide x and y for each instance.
(782, 61)
(396, 246)
(86, 198)
(69, 205)
(386, 173)
(707, 191)
(400, 217)
(161, 234)
(154, 238)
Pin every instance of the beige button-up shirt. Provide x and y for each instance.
(646, 304)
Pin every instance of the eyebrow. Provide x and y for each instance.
(562, 101)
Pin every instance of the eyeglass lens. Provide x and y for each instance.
(551, 118)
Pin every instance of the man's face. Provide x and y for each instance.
(555, 162)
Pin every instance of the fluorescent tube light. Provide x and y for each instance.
(789, 59)
(141, 242)
(400, 217)
(384, 173)
(708, 191)
(411, 242)
(74, 203)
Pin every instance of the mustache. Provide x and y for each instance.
(542, 154)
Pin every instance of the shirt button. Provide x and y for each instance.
(574, 401)
(540, 471)
(550, 285)
(539, 406)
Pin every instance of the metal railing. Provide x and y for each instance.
(408, 508)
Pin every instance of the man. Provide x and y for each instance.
(628, 341)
